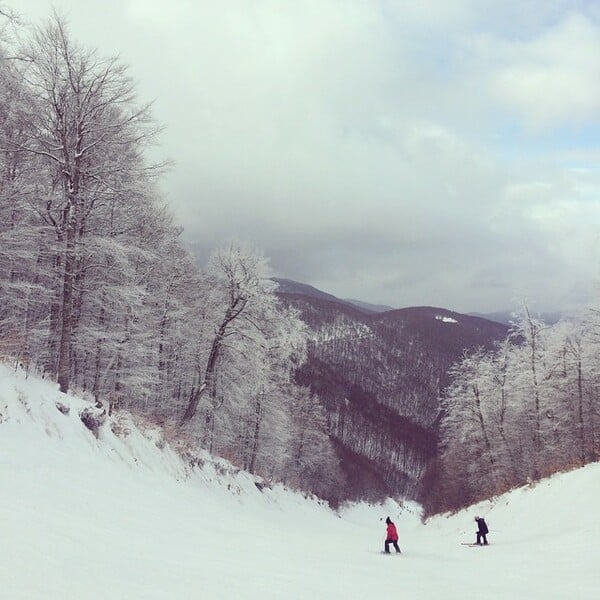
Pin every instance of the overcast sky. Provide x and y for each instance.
(426, 152)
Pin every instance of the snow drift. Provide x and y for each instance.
(119, 514)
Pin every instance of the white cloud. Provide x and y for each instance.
(553, 78)
(369, 146)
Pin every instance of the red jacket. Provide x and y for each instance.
(392, 534)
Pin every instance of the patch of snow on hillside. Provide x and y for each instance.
(445, 319)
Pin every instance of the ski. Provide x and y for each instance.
(468, 544)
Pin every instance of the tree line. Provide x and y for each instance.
(523, 411)
(98, 291)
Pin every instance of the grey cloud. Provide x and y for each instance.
(363, 145)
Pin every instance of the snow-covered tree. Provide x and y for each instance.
(525, 410)
(99, 292)
(87, 134)
(312, 462)
(237, 298)
(530, 332)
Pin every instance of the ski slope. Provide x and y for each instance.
(122, 516)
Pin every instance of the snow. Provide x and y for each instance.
(125, 517)
(444, 319)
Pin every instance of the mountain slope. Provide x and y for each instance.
(289, 286)
(122, 516)
(380, 376)
(368, 306)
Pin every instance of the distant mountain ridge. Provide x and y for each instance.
(289, 286)
(368, 306)
(506, 316)
(380, 376)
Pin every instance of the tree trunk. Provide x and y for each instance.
(256, 436)
(580, 412)
(66, 320)
(192, 407)
(98, 362)
(51, 363)
(209, 372)
(537, 434)
(486, 438)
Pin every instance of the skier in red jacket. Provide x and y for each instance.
(391, 536)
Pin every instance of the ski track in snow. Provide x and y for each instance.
(119, 518)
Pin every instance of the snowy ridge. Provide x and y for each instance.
(35, 410)
(124, 516)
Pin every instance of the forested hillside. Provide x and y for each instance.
(450, 408)
(380, 377)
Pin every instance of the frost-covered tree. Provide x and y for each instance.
(86, 132)
(121, 307)
(245, 343)
(26, 280)
(312, 462)
(466, 406)
(525, 410)
(244, 404)
(590, 380)
(266, 430)
(237, 298)
(99, 292)
(531, 335)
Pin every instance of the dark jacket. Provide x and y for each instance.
(482, 526)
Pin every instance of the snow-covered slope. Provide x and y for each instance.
(123, 516)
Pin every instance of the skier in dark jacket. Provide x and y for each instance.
(391, 536)
(482, 530)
